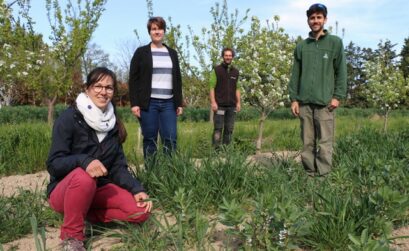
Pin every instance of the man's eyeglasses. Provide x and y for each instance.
(98, 88)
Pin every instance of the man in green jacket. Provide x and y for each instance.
(318, 83)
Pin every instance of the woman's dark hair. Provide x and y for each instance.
(96, 75)
(99, 73)
(159, 21)
(228, 49)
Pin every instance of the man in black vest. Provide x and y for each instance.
(224, 98)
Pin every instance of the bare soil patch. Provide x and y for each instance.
(11, 185)
(268, 157)
(53, 242)
(401, 243)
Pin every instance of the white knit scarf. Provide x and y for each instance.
(101, 122)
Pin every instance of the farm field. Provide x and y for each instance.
(234, 199)
(251, 195)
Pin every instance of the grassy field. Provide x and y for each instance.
(226, 199)
(278, 135)
(24, 146)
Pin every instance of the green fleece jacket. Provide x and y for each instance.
(319, 71)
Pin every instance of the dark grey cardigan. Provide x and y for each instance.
(140, 77)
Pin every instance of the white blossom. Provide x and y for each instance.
(6, 46)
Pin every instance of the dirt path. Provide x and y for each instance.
(11, 185)
(53, 242)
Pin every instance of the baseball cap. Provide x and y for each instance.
(317, 7)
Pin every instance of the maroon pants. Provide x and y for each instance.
(78, 198)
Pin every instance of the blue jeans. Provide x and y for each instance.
(159, 118)
(223, 125)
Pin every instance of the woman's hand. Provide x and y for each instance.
(140, 199)
(96, 169)
(136, 110)
(179, 111)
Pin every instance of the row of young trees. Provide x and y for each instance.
(33, 72)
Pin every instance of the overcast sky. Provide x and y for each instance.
(366, 22)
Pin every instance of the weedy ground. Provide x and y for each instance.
(207, 200)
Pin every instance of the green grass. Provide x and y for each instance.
(24, 147)
(270, 206)
(15, 213)
(35, 114)
(276, 206)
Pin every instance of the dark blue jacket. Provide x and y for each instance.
(140, 78)
(75, 144)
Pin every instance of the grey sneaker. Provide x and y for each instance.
(72, 245)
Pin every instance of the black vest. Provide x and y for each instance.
(226, 85)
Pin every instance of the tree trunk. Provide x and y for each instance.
(33, 101)
(260, 132)
(51, 104)
(385, 121)
(5, 97)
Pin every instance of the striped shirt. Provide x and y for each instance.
(162, 74)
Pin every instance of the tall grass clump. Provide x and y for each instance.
(371, 159)
(16, 212)
(207, 180)
(366, 191)
(260, 205)
(24, 148)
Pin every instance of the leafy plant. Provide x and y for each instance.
(39, 243)
(366, 243)
(334, 217)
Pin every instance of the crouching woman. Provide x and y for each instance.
(89, 176)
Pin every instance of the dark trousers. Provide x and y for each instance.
(223, 125)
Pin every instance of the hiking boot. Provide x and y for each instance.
(71, 244)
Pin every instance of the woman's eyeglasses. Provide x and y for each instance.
(98, 88)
